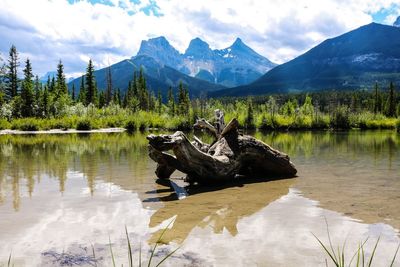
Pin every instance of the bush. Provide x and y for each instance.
(142, 125)
(84, 125)
(131, 125)
(28, 124)
(320, 122)
(63, 124)
(340, 118)
(4, 124)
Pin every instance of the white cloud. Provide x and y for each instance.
(49, 30)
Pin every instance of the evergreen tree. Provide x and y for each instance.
(37, 96)
(143, 94)
(61, 86)
(27, 96)
(73, 93)
(102, 99)
(159, 102)
(250, 116)
(109, 90)
(82, 91)
(91, 90)
(391, 102)
(171, 102)
(377, 100)
(117, 97)
(45, 102)
(52, 87)
(183, 100)
(152, 101)
(3, 77)
(12, 74)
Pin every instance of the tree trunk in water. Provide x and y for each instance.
(231, 155)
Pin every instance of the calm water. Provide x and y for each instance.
(70, 193)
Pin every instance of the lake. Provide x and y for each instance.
(66, 197)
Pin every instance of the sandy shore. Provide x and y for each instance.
(59, 131)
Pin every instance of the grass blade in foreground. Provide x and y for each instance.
(158, 240)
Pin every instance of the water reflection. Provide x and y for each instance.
(221, 207)
(64, 191)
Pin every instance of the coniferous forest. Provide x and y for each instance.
(26, 103)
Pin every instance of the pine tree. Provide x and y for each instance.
(159, 102)
(171, 102)
(3, 75)
(12, 74)
(102, 99)
(391, 102)
(117, 97)
(142, 92)
(37, 96)
(82, 91)
(377, 102)
(91, 90)
(183, 100)
(109, 90)
(45, 102)
(73, 93)
(61, 86)
(27, 96)
(250, 116)
(52, 87)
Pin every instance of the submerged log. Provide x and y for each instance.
(231, 155)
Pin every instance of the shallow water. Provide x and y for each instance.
(73, 193)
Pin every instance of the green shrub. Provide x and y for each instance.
(340, 118)
(4, 124)
(84, 125)
(398, 125)
(142, 125)
(27, 124)
(62, 124)
(131, 125)
(320, 122)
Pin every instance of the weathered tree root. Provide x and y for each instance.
(231, 155)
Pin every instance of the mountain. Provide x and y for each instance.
(356, 59)
(52, 74)
(158, 77)
(48, 74)
(397, 22)
(232, 66)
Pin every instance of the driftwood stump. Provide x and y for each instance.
(230, 155)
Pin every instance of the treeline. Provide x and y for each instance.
(29, 97)
(28, 104)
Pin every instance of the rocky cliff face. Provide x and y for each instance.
(232, 66)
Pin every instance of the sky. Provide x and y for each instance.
(108, 31)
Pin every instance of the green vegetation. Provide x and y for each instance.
(130, 256)
(338, 258)
(27, 104)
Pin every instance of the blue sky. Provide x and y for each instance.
(108, 31)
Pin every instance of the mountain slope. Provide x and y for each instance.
(158, 77)
(353, 60)
(232, 66)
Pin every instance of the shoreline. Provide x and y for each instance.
(120, 130)
(60, 131)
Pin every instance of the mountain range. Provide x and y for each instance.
(235, 65)
(354, 60)
(199, 68)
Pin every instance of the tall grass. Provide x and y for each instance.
(152, 253)
(338, 257)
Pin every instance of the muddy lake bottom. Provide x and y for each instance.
(63, 197)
